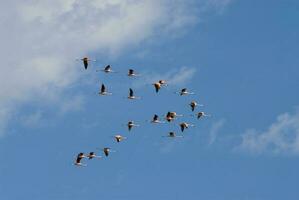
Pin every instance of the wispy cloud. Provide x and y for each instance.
(174, 77)
(282, 137)
(182, 76)
(215, 130)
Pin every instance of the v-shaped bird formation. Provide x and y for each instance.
(169, 117)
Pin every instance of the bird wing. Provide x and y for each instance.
(85, 62)
(192, 107)
(107, 68)
(106, 151)
(91, 154)
(199, 115)
(168, 114)
(182, 127)
(157, 87)
(131, 71)
(79, 158)
(131, 93)
(103, 88)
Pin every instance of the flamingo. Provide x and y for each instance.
(103, 90)
(194, 104)
(131, 94)
(131, 124)
(170, 116)
(85, 61)
(156, 119)
(92, 155)
(173, 135)
(169, 119)
(119, 138)
(107, 150)
(184, 126)
(202, 114)
(107, 69)
(132, 73)
(184, 91)
(78, 162)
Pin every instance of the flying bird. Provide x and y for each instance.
(184, 126)
(132, 73)
(156, 119)
(131, 94)
(78, 162)
(169, 119)
(85, 61)
(157, 86)
(170, 116)
(103, 90)
(92, 155)
(131, 124)
(202, 114)
(184, 91)
(173, 135)
(107, 69)
(107, 151)
(194, 104)
(119, 138)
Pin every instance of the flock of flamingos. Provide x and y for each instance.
(169, 117)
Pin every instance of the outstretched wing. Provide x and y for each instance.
(79, 157)
(91, 155)
(131, 71)
(192, 107)
(106, 151)
(157, 87)
(131, 93)
(129, 126)
(107, 68)
(182, 127)
(199, 115)
(85, 62)
(168, 115)
(103, 88)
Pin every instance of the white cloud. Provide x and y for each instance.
(40, 40)
(215, 130)
(282, 137)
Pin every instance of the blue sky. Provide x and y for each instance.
(240, 57)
